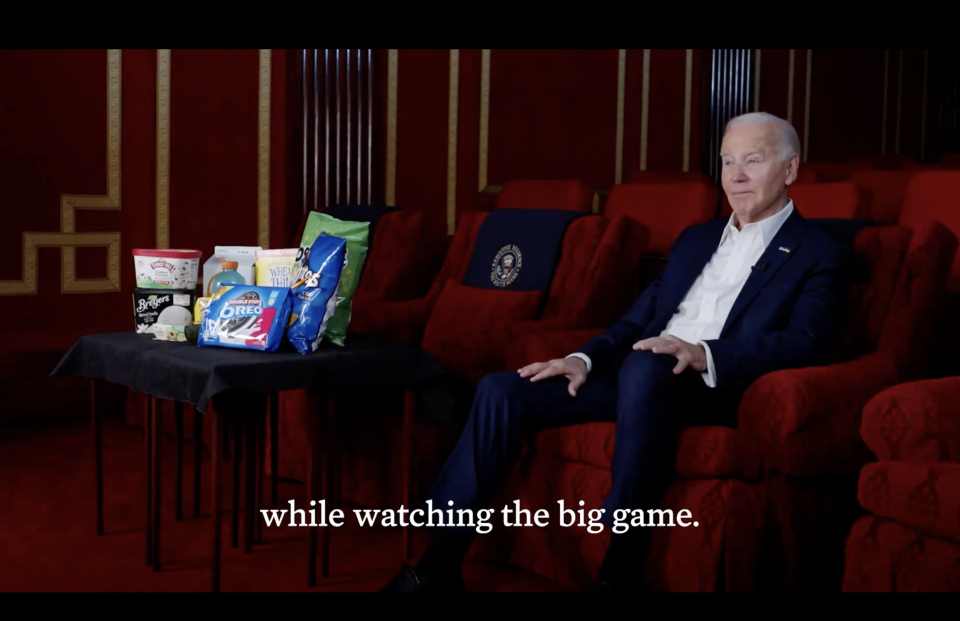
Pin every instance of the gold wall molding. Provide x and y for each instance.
(452, 141)
(791, 77)
(806, 107)
(645, 110)
(392, 67)
(687, 106)
(621, 94)
(67, 239)
(756, 81)
(163, 149)
(263, 171)
(484, 121)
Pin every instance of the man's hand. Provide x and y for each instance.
(574, 369)
(687, 354)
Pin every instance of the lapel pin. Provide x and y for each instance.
(787, 250)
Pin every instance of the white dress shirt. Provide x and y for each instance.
(707, 304)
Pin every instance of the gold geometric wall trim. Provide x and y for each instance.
(263, 184)
(67, 239)
(392, 66)
(484, 121)
(163, 149)
(452, 110)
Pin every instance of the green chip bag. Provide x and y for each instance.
(357, 235)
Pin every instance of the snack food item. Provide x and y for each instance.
(200, 309)
(167, 269)
(246, 317)
(314, 291)
(357, 235)
(275, 267)
(181, 334)
(152, 306)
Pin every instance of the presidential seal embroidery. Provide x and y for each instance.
(506, 266)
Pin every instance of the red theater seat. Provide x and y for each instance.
(910, 540)
(935, 196)
(598, 255)
(534, 194)
(888, 189)
(774, 496)
(668, 176)
(835, 171)
(830, 200)
(824, 200)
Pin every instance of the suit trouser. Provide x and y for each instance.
(649, 403)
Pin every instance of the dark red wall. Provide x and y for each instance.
(54, 142)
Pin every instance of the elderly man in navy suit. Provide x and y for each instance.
(738, 298)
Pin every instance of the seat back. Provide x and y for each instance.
(829, 200)
(888, 188)
(665, 209)
(879, 252)
(667, 176)
(395, 269)
(934, 196)
(546, 194)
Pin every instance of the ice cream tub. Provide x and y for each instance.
(167, 269)
(170, 307)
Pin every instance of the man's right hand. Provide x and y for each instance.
(574, 369)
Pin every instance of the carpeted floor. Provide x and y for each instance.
(48, 538)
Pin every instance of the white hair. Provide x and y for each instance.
(787, 139)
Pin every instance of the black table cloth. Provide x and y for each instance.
(187, 373)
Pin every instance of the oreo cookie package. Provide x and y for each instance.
(246, 317)
(314, 291)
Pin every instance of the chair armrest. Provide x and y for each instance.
(807, 421)
(916, 422)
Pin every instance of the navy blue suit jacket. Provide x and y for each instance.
(786, 316)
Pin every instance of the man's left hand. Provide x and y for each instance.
(687, 354)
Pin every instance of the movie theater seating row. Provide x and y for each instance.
(909, 540)
(795, 456)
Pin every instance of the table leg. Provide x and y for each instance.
(97, 453)
(274, 444)
(157, 479)
(329, 478)
(234, 418)
(409, 409)
(148, 473)
(249, 476)
(261, 458)
(313, 460)
(178, 421)
(215, 467)
(197, 460)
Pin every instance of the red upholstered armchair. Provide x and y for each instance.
(405, 321)
(836, 199)
(598, 256)
(546, 194)
(910, 541)
(780, 481)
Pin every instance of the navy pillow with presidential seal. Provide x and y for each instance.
(246, 317)
(518, 249)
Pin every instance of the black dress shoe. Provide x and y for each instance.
(411, 581)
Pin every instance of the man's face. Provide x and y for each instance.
(754, 177)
